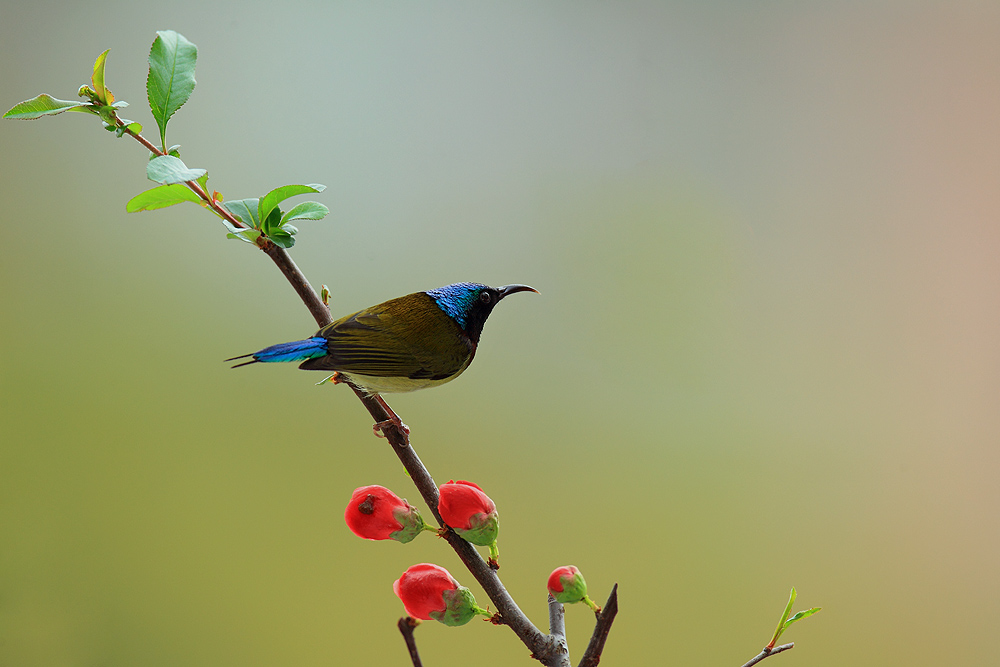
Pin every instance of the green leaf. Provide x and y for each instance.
(171, 81)
(282, 239)
(97, 79)
(278, 195)
(309, 210)
(272, 221)
(784, 617)
(802, 614)
(174, 150)
(248, 235)
(46, 105)
(245, 210)
(169, 169)
(161, 197)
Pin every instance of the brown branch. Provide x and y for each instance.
(406, 626)
(544, 647)
(557, 631)
(605, 617)
(767, 652)
(194, 186)
(283, 260)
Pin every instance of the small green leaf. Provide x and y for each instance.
(269, 201)
(248, 235)
(169, 169)
(245, 210)
(174, 150)
(798, 616)
(289, 229)
(172, 61)
(308, 210)
(784, 616)
(103, 94)
(272, 221)
(46, 105)
(161, 197)
(282, 239)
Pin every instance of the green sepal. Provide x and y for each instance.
(161, 197)
(483, 529)
(46, 105)
(574, 590)
(460, 607)
(412, 523)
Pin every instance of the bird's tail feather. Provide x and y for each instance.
(294, 351)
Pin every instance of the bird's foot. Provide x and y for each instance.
(378, 428)
(336, 378)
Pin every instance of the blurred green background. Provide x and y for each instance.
(765, 351)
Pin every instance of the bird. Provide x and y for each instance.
(412, 342)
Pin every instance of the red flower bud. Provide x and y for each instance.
(471, 513)
(566, 585)
(429, 592)
(376, 513)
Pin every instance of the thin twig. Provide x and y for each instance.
(766, 653)
(592, 656)
(544, 647)
(194, 186)
(406, 626)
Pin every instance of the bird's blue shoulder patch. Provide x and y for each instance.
(456, 300)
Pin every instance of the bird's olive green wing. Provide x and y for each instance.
(394, 340)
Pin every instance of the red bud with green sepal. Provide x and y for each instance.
(566, 585)
(376, 513)
(429, 592)
(470, 513)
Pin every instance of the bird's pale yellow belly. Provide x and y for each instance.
(373, 384)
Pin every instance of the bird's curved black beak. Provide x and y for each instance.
(507, 290)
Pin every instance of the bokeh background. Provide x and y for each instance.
(765, 351)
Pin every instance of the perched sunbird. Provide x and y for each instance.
(412, 342)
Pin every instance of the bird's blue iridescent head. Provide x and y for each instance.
(457, 300)
(469, 304)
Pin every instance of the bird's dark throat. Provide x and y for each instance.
(476, 319)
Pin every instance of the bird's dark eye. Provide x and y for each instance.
(485, 297)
